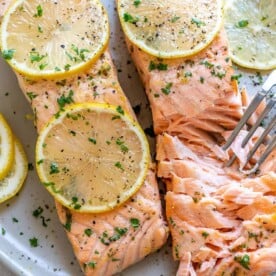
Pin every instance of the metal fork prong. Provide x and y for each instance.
(249, 111)
(268, 150)
(261, 139)
(269, 106)
(231, 160)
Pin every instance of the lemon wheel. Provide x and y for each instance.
(12, 183)
(251, 31)
(170, 28)
(92, 158)
(53, 38)
(6, 147)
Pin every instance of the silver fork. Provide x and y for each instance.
(266, 89)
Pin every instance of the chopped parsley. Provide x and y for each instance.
(119, 165)
(119, 232)
(36, 57)
(198, 22)
(79, 52)
(264, 18)
(8, 54)
(236, 77)
(129, 18)
(52, 186)
(188, 74)
(122, 145)
(135, 223)
(67, 67)
(136, 3)
(91, 264)
(92, 140)
(207, 64)
(167, 89)
(39, 11)
(88, 232)
(39, 29)
(120, 110)
(54, 168)
(15, 220)
(37, 212)
(68, 222)
(205, 234)
(65, 99)
(244, 261)
(39, 161)
(159, 66)
(33, 242)
(175, 18)
(75, 203)
(42, 66)
(242, 23)
(31, 95)
(3, 231)
(219, 74)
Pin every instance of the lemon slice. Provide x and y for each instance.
(170, 28)
(6, 147)
(251, 31)
(53, 38)
(12, 183)
(92, 158)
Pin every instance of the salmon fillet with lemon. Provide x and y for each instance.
(221, 222)
(104, 243)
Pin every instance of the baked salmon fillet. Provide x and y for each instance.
(90, 234)
(221, 222)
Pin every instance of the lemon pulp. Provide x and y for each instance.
(92, 158)
(53, 38)
(251, 32)
(170, 28)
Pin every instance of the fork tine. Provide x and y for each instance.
(260, 140)
(268, 150)
(269, 106)
(249, 111)
(231, 160)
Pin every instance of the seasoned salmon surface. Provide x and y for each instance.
(107, 243)
(221, 222)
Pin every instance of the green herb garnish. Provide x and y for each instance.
(198, 22)
(129, 18)
(242, 23)
(167, 89)
(33, 242)
(244, 261)
(135, 223)
(39, 11)
(8, 54)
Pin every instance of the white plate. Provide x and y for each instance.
(54, 255)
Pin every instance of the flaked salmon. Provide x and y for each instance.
(107, 243)
(221, 222)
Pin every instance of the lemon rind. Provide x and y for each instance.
(21, 164)
(7, 153)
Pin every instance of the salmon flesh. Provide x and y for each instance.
(221, 222)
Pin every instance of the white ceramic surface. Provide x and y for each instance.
(54, 255)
